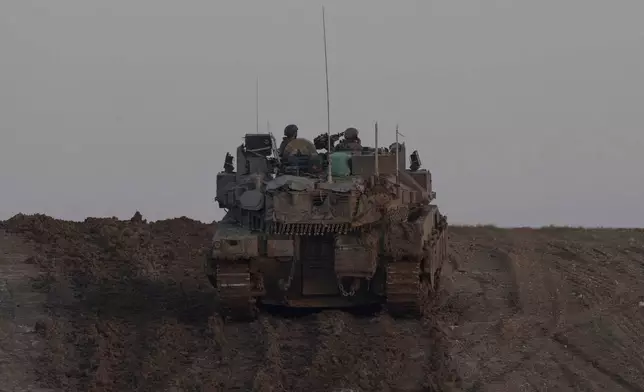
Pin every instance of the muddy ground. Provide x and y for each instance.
(108, 305)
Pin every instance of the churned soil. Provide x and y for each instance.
(112, 305)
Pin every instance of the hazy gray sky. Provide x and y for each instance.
(527, 112)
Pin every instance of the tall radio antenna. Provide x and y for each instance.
(328, 110)
(257, 103)
(377, 170)
(397, 158)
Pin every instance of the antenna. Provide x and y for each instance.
(257, 103)
(376, 154)
(397, 152)
(328, 110)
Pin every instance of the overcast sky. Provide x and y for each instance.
(527, 112)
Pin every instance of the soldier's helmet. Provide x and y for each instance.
(290, 131)
(351, 134)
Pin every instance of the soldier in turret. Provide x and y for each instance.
(290, 133)
(351, 140)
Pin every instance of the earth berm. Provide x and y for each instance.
(112, 305)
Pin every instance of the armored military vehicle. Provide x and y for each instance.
(300, 235)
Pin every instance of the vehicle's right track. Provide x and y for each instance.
(407, 290)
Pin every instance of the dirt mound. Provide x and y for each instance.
(129, 308)
(127, 299)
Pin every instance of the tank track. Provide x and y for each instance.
(407, 289)
(234, 289)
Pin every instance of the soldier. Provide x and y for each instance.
(290, 133)
(351, 140)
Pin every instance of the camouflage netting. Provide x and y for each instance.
(397, 214)
(369, 209)
(373, 204)
(404, 239)
(369, 240)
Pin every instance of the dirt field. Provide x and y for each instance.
(108, 305)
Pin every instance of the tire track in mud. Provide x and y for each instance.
(494, 272)
(334, 364)
(605, 332)
(242, 355)
(592, 361)
(614, 346)
(589, 283)
(526, 333)
(542, 299)
(363, 353)
(269, 375)
(527, 337)
(203, 368)
(300, 345)
(229, 357)
(289, 346)
(522, 307)
(408, 353)
(348, 354)
(580, 374)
